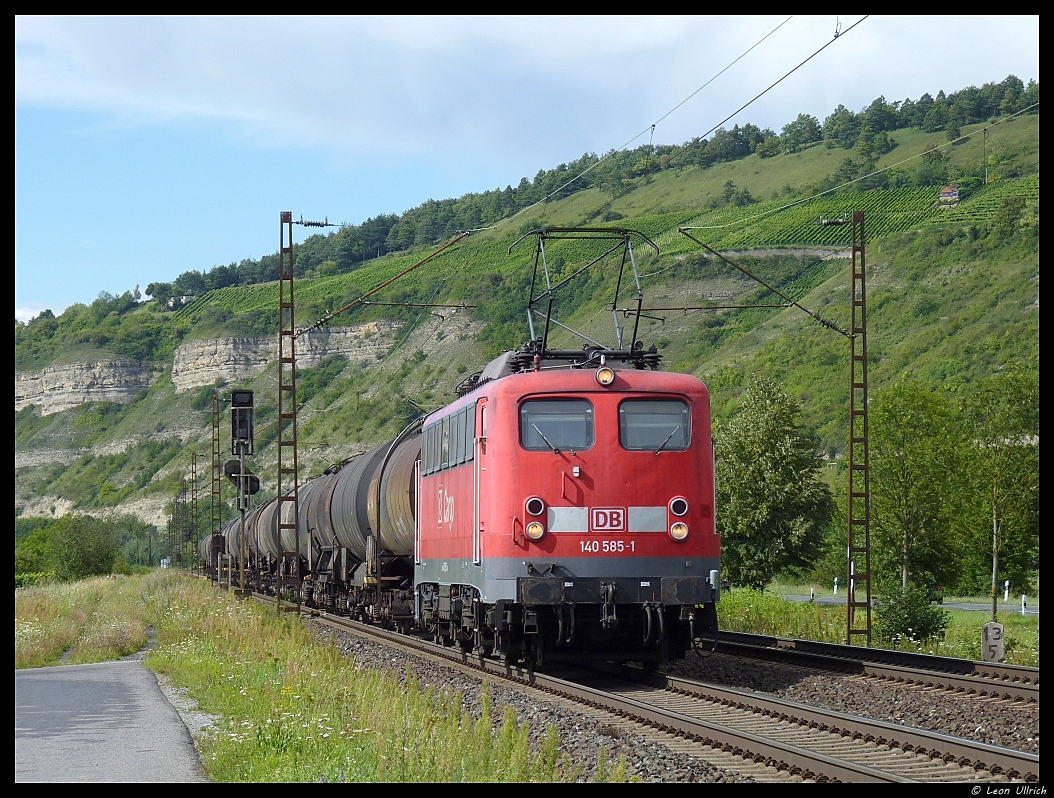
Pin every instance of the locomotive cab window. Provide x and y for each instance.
(654, 425)
(556, 424)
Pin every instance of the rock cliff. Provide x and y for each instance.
(203, 362)
(60, 387)
(196, 363)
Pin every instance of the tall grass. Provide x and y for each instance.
(297, 710)
(93, 620)
(743, 610)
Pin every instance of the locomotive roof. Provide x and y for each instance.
(576, 380)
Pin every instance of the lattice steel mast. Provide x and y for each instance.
(288, 491)
(859, 507)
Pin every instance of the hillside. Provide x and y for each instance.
(112, 398)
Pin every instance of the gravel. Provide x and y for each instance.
(996, 721)
(581, 735)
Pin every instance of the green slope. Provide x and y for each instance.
(953, 296)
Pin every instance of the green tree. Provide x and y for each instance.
(914, 451)
(841, 128)
(83, 546)
(1003, 512)
(33, 551)
(803, 130)
(772, 508)
(161, 292)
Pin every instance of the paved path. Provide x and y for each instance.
(1010, 608)
(107, 722)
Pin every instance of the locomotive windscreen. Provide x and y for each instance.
(654, 424)
(556, 424)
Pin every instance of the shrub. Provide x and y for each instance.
(908, 613)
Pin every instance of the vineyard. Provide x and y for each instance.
(776, 224)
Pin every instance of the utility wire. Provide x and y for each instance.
(835, 38)
(837, 35)
(629, 141)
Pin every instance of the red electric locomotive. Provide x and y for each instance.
(568, 514)
(561, 509)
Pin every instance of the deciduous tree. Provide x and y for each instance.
(1003, 514)
(771, 507)
(915, 459)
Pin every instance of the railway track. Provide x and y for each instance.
(997, 680)
(766, 736)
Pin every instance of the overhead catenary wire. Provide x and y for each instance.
(330, 316)
(823, 321)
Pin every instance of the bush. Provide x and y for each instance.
(908, 613)
(31, 579)
(83, 546)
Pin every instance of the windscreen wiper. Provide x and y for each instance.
(667, 438)
(557, 451)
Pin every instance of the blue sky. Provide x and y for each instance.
(145, 147)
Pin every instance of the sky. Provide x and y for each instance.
(148, 146)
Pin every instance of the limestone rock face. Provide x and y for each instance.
(60, 387)
(203, 362)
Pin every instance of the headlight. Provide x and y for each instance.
(679, 531)
(535, 530)
(605, 375)
(679, 506)
(535, 506)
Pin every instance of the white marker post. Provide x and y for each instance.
(1024, 605)
(1006, 590)
(836, 585)
(992, 644)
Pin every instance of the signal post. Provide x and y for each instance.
(248, 484)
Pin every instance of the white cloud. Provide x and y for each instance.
(480, 87)
(29, 310)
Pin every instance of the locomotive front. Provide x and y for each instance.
(579, 522)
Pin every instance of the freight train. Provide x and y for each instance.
(559, 510)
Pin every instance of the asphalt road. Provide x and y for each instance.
(107, 722)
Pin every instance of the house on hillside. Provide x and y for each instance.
(949, 195)
(180, 301)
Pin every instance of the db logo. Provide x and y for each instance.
(608, 519)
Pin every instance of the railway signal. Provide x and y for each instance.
(242, 422)
(232, 469)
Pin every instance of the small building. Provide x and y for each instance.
(180, 301)
(949, 195)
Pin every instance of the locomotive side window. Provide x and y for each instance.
(459, 427)
(426, 451)
(556, 424)
(448, 442)
(470, 433)
(654, 425)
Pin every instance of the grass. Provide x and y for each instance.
(89, 621)
(291, 708)
(296, 710)
(743, 610)
(802, 589)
